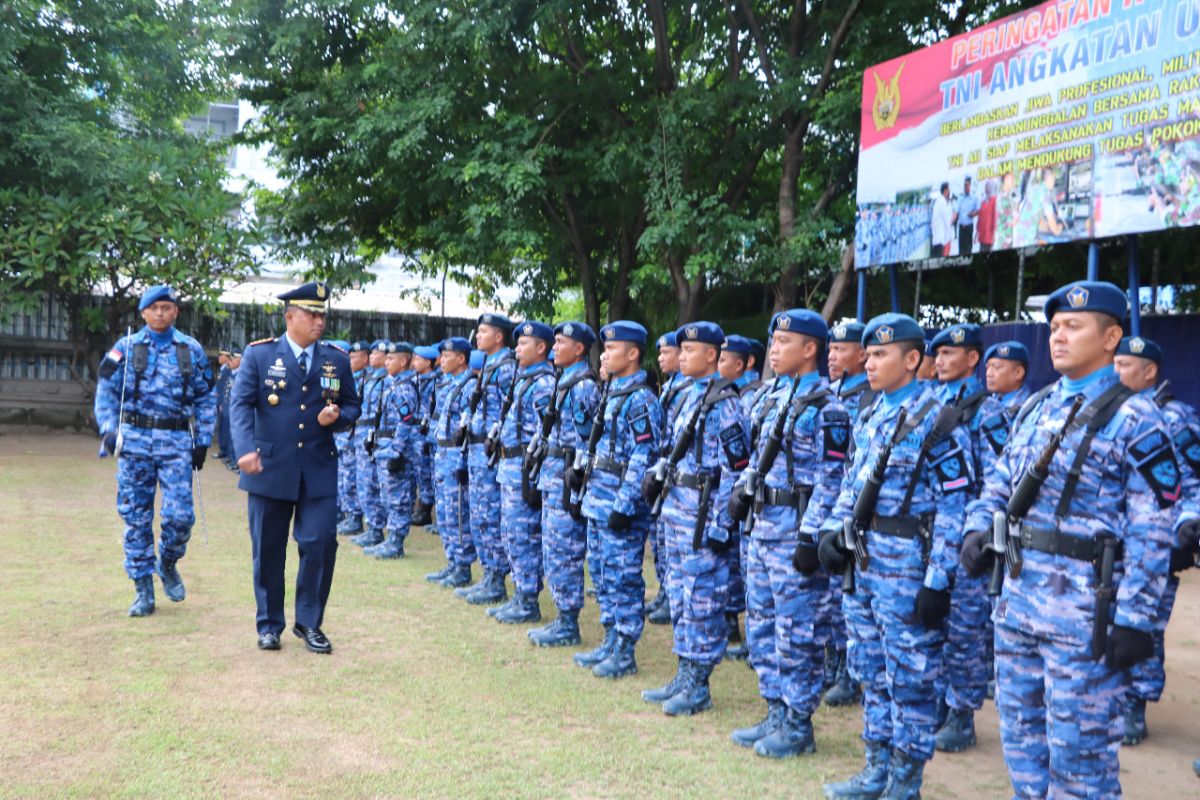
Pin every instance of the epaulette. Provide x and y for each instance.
(334, 346)
(261, 341)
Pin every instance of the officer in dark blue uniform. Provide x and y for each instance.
(290, 396)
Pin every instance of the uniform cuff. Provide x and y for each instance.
(937, 578)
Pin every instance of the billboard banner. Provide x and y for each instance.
(1076, 119)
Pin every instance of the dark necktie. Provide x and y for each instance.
(303, 361)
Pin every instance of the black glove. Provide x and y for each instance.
(110, 443)
(1127, 646)
(1189, 534)
(618, 521)
(574, 478)
(830, 553)
(1180, 560)
(489, 447)
(369, 446)
(394, 465)
(805, 559)
(976, 560)
(462, 476)
(199, 453)
(739, 505)
(535, 500)
(933, 606)
(651, 487)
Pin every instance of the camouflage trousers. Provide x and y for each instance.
(521, 532)
(564, 547)
(698, 588)
(896, 659)
(138, 477)
(1149, 677)
(966, 668)
(1061, 717)
(454, 525)
(785, 628)
(621, 588)
(397, 493)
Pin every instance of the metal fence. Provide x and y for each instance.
(36, 350)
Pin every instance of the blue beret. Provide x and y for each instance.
(888, 328)
(310, 296)
(624, 330)
(156, 293)
(1141, 347)
(738, 344)
(1008, 351)
(1088, 296)
(478, 358)
(496, 320)
(455, 344)
(847, 332)
(381, 344)
(402, 347)
(577, 331)
(668, 339)
(361, 346)
(759, 351)
(929, 337)
(534, 328)
(957, 336)
(801, 320)
(426, 351)
(702, 332)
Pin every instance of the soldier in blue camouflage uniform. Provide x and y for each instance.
(1101, 520)
(520, 501)
(224, 379)
(705, 451)
(670, 397)
(366, 475)
(351, 519)
(564, 538)
(156, 410)
(618, 518)
(1005, 366)
(741, 361)
(965, 668)
(789, 491)
(848, 380)
(1137, 362)
(425, 366)
(400, 444)
(450, 467)
(896, 618)
(495, 378)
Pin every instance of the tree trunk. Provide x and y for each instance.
(843, 282)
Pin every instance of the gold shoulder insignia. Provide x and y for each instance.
(261, 341)
(336, 347)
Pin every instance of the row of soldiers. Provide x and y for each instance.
(871, 526)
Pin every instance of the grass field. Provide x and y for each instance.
(424, 696)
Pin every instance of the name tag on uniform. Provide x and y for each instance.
(276, 371)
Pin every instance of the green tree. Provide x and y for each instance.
(101, 190)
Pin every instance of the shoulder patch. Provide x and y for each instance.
(1187, 444)
(951, 472)
(733, 440)
(836, 435)
(639, 423)
(995, 432)
(1154, 457)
